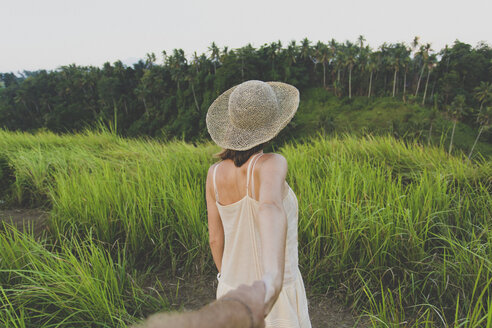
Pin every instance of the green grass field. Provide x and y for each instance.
(399, 231)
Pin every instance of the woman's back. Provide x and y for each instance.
(241, 261)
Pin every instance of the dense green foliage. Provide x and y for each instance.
(170, 99)
(400, 230)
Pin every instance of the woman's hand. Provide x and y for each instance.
(269, 293)
(272, 226)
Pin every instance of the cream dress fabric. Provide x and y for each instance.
(242, 251)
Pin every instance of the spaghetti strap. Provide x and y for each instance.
(215, 185)
(247, 176)
(253, 178)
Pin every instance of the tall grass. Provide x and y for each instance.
(401, 231)
(75, 284)
(377, 212)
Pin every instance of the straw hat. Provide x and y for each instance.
(251, 113)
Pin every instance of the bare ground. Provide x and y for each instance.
(26, 219)
(192, 293)
(324, 310)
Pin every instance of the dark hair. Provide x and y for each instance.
(239, 157)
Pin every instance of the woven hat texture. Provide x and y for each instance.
(251, 113)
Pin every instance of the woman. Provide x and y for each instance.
(252, 211)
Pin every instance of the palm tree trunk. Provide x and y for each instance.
(418, 82)
(430, 134)
(405, 86)
(242, 69)
(194, 97)
(426, 84)
(350, 83)
(394, 83)
(478, 136)
(324, 75)
(452, 136)
(145, 104)
(370, 85)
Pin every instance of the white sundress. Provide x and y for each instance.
(242, 251)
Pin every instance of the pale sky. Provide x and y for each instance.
(46, 34)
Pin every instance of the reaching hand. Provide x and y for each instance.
(254, 297)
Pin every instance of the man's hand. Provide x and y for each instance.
(254, 297)
(226, 314)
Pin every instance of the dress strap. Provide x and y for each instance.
(253, 178)
(247, 176)
(215, 185)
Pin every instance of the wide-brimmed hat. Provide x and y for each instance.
(251, 113)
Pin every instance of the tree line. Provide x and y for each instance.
(169, 96)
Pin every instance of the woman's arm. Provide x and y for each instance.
(272, 225)
(215, 228)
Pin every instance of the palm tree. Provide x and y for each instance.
(323, 55)
(291, 58)
(338, 57)
(214, 55)
(245, 53)
(272, 52)
(394, 61)
(196, 62)
(424, 55)
(292, 52)
(456, 109)
(164, 56)
(150, 59)
(223, 54)
(363, 59)
(371, 66)
(177, 63)
(485, 120)
(405, 63)
(350, 62)
(483, 93)
(361, 40)
(189, 78)
(431, 63)
(415, 43)
(305, 49)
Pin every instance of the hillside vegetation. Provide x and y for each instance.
(398, 88)
(400, 232)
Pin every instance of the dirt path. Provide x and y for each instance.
(192, 293)
(325, 311)
(28, 218)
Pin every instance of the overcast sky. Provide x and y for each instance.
(46, 34)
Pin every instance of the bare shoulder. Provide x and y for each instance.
(211, 169)
(210, 172)
(275, 159)
(273, 163)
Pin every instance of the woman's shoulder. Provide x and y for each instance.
(272, 163)
(210, 172)
(275, 159)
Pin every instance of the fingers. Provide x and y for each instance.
(269, 298)
(253, 296)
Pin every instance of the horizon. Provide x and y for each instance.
(48, 35)
(130, 61)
